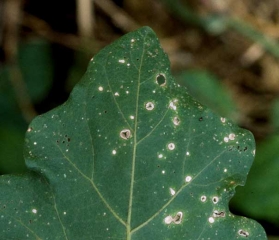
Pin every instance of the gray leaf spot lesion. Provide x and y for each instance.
(171, 146)
(125, 134)
(218, 214)
(243, 233)
(203, 198)
(215, 199)
(176, 121)
(177, 219)
(149, 106)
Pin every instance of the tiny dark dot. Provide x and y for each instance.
(105, 111)
(69, 139)
(201, 118)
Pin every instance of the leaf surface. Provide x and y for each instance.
(129, 156)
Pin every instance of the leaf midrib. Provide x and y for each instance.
(129, 218)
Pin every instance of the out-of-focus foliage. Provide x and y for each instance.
(259, 197)
(35, 64)
(12, 128)
(206, 87)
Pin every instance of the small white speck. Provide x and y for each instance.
(163, 172)
(65, 175)
(34, 210)
(225, 170)
(35, 143)
(128, 64)
(172, 192)
(188, 179)
(100, 88)
(223, 120)
(211, 220)
(160, 155)
(64, 213)
(116, 94)
(121, 60)
(29, 129)
(226, 139)
(187, 153)
(127, 92)
(132, 117)
(113, 152)
(171, 146)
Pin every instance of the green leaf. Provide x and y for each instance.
(129, 156)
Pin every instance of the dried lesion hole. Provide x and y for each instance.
(161, 80)
(218, 214)
(243, 233)
(125, 134)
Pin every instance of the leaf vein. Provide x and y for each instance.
(94, 187)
